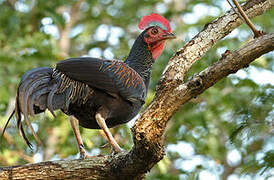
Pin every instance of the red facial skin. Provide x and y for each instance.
(156, 37)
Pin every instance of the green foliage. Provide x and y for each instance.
(235, 115)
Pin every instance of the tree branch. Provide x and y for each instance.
(247, 20)
(171, 94)
(230, 63)
(169, 97)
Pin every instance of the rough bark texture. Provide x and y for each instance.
(171, 94)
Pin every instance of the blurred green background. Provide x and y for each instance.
(225, 133)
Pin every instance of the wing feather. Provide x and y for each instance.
(110, 76)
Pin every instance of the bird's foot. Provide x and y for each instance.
(87, 156)
(116, 150)
(105, 145)
(84, 155)
(82, 151)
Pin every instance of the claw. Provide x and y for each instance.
(105, 145)
(116, 150)
(113, 150)
(82, 151)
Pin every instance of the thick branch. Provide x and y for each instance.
(230, 63)
(166, 101)
(247, 20)
(209, 36)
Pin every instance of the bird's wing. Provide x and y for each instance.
(110, 76)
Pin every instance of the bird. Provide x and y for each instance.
(96, 93)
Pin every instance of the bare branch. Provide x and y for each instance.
(245, 18)
(168, 99)
(230, 63)
(209, 36)
(231, 5)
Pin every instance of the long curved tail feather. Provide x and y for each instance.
(6, 125)
(22, 133)
(36, 93)
(45, 88)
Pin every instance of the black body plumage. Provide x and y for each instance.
(83, 86)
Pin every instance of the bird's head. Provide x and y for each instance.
(157, 31)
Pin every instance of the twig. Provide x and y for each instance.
(237, 12)
(245, 18)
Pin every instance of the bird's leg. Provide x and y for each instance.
(75, 127)
(101, 122)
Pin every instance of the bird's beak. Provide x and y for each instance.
(169, 35)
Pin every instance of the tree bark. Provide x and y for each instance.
(171, 94)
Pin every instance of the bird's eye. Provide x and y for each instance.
(154, 31)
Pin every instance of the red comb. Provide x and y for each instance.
(154, 19)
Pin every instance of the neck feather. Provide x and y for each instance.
(140, 59)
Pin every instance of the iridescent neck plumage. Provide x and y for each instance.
(140, 59)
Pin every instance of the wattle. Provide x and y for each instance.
(157, 49)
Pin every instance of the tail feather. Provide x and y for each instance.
(36, 93)
(40, 90)
(30, 106)
(31, 89)
(26, 87)
(6, 125)
(19, 122)
(37, 96)
(25, 90)
(50, 97)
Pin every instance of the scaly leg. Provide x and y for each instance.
(75, 127)
(101, 122)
